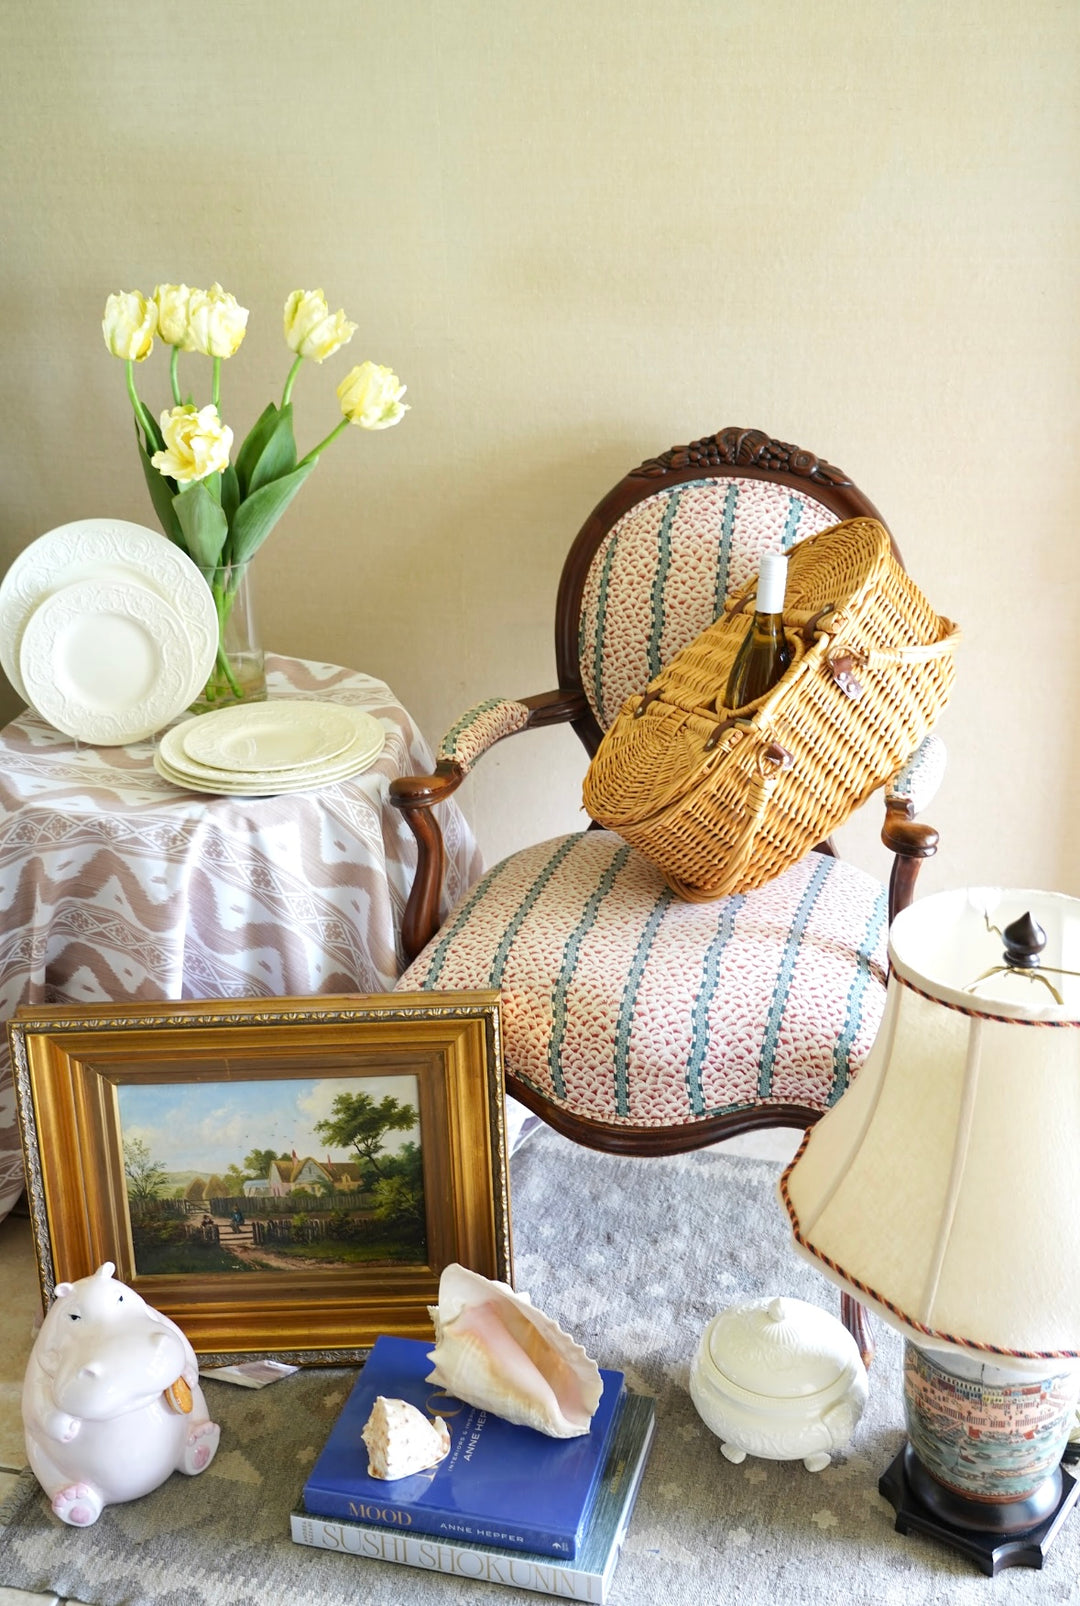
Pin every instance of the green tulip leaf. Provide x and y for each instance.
(250, 450)
(203, 522)
(148, 434)
(278, 456)
(269, 450)
(162, 491)
(259, 512)
(230, 493)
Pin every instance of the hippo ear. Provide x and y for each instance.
(105, 1270)
(62, 1290)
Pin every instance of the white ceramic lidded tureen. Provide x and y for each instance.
(781, 1379)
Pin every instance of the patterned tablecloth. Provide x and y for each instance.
(116, 885)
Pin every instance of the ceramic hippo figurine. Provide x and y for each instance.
(111, 1402)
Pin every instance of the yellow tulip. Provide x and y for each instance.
(216, 323)
(172, 302)
(129, 325)
(197, 443)
(370, 396)
(311, 329)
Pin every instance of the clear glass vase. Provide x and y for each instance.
(239, 671)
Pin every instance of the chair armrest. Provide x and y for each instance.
(416, 795)
(469, 738)
(910, 789)
(918, 781)
(911, 842)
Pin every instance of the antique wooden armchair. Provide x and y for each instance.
(635, 1022)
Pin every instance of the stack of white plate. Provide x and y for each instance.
(107, 629)
(267, 748)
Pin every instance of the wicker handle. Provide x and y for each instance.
(842, 665)
(916, 655)
(771, 762)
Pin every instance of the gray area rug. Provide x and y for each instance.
(633, 1257)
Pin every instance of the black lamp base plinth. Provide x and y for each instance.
(990, 1550)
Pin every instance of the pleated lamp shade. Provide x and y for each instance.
(943, 1189)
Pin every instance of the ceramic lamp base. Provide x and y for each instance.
(923, 1505)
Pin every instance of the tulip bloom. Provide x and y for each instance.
(370, 396)
(311, 329)
(129, 325)
(197, 443)
(172, 302)
(216, 324)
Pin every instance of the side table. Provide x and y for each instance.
(117, 885)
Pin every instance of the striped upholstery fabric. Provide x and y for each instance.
(480, 728)
(624, 1004)
(663, 573)
(918, 782)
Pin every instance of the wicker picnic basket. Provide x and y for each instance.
(723, 800)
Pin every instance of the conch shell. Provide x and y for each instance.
(401, 1440)
(495, 1350)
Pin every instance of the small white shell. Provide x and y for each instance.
(401, 1440)
(495, 1350)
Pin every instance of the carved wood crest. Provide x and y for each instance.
(744, 448)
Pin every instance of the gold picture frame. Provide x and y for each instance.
(112, 1098)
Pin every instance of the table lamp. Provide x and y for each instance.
(943, 1192)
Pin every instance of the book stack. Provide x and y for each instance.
(507, 1504)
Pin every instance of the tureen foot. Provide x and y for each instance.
(733, 1453)
(816, 1462)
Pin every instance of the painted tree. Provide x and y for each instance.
(258, 1162)
(399, 1196)
(145, 1178)
(356, 1122)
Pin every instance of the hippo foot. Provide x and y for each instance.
(733, 1453)
(201, 1446)
(817, 1461)
(78, 1505)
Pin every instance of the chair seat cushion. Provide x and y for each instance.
(623, 1004)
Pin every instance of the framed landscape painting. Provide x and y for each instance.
(281, 1178)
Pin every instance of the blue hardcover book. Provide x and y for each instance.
(500, 1484)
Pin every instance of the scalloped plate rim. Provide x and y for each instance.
(106, 727)
(30, 562)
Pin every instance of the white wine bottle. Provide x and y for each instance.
(765, 651)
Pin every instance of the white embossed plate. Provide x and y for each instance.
(279, 735)
(365, 746)
(106, 548)
(273, 784)
(107, 661)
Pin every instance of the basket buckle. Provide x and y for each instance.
(775, 756)
(841, 667)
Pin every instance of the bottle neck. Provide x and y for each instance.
(772, 583)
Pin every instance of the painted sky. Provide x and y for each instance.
(208, 1126)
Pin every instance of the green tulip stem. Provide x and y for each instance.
(174, 374)
(224, 596)
(333, 435)
(290, 381)
(215, 393)
(141, 412)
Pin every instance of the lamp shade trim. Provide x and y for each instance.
(839, 1273)
(981, 1014)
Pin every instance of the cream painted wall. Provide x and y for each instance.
(583, 230)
